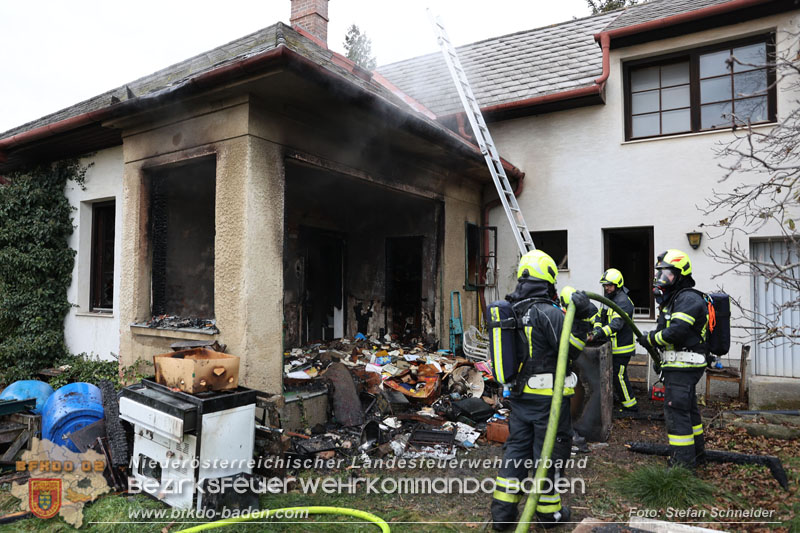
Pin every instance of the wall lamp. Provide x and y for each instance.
(694, 238)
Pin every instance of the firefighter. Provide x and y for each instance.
(609, 325)
(682, 332)
(537, 336)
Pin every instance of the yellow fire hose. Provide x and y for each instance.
(555, 405)
(260, 515)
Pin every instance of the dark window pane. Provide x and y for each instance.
(554, 243)
(675, 97)
(644, 102)
(101, 297)
(749, 83)
(645, 125)
(750, 57)
(675, 121)
(715, 115)
(714, 64)
(715, 89)
(751, 110)
(644, 79)
(676, 74)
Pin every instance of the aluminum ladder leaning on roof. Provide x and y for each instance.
(473, 111)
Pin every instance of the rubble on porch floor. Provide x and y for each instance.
(383, 398)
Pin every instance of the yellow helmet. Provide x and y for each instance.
(537, 264)
(675, 259)
(566, 294)
(612, 276)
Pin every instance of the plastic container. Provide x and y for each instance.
(29, 388)
(69, 409)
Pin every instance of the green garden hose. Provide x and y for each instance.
(260, 515)
(555, 405)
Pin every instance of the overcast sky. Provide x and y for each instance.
(56, 53)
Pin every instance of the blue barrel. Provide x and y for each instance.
(69, 409)
(29, 388)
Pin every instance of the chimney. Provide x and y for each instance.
(311, 16)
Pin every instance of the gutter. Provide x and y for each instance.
(680, 18)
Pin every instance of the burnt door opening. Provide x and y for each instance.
(323, 286)
(404, 286)
(630, 250)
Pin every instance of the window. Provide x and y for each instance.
(480, 267)
(700, 90)
(101, 297)
(554, 243)
(182, 234)
(630, 250)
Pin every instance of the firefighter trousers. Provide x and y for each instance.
(527, 427)
(622, 385)
(682, 417)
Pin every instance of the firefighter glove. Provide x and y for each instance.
(583, 309)
(644, 341)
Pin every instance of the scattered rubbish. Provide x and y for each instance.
(476, 345)
(68, 409)
(29, 388)
(497, 430)
(176, 322)
(410, 400)
(197, 370)
(346, 403)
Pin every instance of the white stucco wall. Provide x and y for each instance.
(582, 176)
(84, 331)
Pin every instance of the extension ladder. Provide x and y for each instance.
(484, 139)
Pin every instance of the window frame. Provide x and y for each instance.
(98, 268)
(693, 56)
(482, 263)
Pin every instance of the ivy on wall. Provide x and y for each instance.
(35, 267)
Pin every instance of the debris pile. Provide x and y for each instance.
(176, 322)
(386, 398)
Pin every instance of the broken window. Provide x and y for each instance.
(481, 256)
(630, 250)
(554, 244)
(182, 233)
(101, 297)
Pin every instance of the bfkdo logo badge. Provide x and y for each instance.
(44, 497)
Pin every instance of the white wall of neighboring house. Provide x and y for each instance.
(85, 331)
(582, 176)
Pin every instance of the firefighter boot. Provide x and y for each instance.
(550, 520)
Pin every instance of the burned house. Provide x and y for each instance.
(265, 194)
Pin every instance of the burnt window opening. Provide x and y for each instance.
(554, 244)
(481, 256)
(101, 287)
(630, 250)
(182, 232)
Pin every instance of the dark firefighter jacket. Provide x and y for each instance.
(539, 331)
(682, 325)
(613, 326)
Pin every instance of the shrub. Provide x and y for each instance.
(35, 267)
